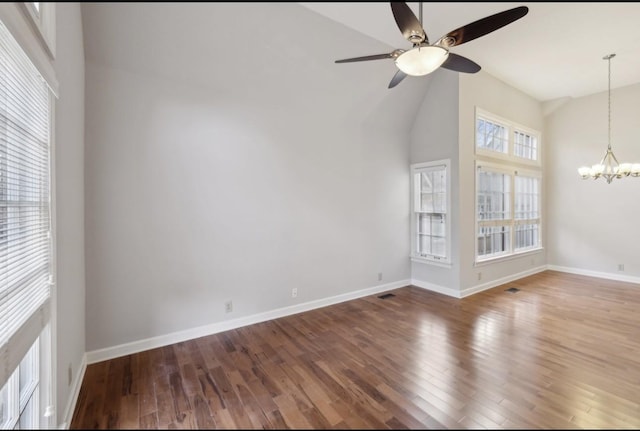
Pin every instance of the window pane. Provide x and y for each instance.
(9, 408)
(527, 236)
(438, 247)
(28, 370)
(433, 187)
(4, 406)
(432, 235)
(493, 196)
(525, 146)
(526, 205)
(493, 240)
(29, 416)
(491, 136)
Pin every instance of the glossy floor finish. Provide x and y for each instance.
(562, 352)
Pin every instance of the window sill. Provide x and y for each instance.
(440, 263)
(512, 256)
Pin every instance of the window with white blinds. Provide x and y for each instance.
(25, 227)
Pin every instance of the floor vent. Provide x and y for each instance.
(512, 290)
(386, 295)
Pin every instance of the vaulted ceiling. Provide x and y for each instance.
(555, 51)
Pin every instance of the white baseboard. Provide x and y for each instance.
(503, 280)
(588, 273)
(479, 288)
(436, 288)
(214, 328)
(76, 384)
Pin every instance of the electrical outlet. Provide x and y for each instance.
(228, 306)
(479, 276)
(379, 276)
(294, 292)
(69, 375)
(621, 267)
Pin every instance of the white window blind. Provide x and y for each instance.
(25, 239)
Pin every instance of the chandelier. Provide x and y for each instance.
(609, 168)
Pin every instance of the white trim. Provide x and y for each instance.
(597, 274)
(476, 289)
(214, 328)
(503, 280)
(506, 257)
(19, 24)
(74, 394)
(479, 288)
(426, 261)
(418, 168)
(436, 288)
(44, 24)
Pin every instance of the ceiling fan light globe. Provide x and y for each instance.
(422, 60)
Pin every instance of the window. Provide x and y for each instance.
(22, 395)
(431, 209)
(500, 138)
(508, 188)
(25, 239)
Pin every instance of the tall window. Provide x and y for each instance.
(508, 188)
(25, 237)
(431, 211)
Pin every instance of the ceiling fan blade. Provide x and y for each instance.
(408, 23)
(483, 26)
(369, 57)
(399, 76)
(459, 63)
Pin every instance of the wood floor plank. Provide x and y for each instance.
(561, 353)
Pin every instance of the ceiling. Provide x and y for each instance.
(553, 52)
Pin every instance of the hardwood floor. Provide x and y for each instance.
(563, 352)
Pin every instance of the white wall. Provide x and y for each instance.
(229, 158)
(594, 224)
(69, 191)
(492, 95)
(435, 137)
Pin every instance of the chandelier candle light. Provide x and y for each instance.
(609, 168)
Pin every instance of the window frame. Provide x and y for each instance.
(511, 127)
(43, 21)
(415, 169)
(513, 166)
(37, 391)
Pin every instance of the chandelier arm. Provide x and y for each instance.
(614, 158)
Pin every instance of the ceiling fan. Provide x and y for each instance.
(424, 57)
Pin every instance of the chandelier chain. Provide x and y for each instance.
(609, 60)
